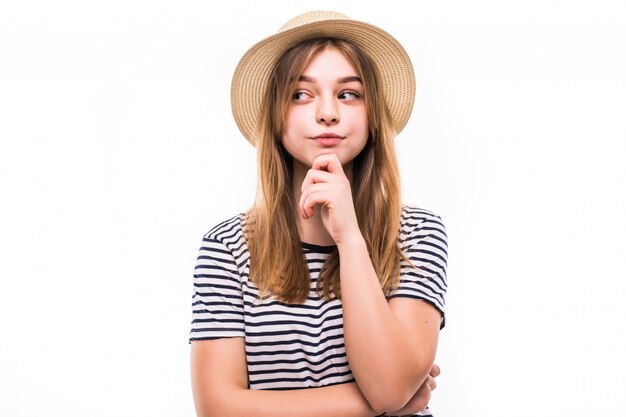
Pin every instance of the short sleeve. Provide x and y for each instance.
(217, 303)
(424, 242)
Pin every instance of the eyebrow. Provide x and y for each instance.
(344, 80)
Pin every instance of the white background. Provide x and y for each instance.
(118, 152)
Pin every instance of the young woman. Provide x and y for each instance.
(326, 298)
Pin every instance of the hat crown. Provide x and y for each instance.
(311, 17)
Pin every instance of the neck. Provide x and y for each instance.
(312, 230)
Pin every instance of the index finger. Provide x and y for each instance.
(435, 371)
(328, 162)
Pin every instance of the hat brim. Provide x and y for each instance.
(392, 63)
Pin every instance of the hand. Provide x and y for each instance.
(326, 185)
(420, 400)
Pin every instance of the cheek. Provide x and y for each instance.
(290, 132)
(361, 123)
(293, 120)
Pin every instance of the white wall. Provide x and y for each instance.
(118, 152)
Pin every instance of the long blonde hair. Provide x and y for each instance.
(277, 263)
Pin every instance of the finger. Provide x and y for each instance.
(306, 214)
(328, 162)
(308, 202)
(435, 371)
(421, 400)
(432, 383)
(315, 176)
(320, 187)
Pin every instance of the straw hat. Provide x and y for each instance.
(389, 57)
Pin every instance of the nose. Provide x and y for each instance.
(327, 112)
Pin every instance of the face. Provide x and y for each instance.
(327, 113)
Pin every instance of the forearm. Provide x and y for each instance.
(337, 400)
(383, 356)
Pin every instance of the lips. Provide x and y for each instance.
(328, 139)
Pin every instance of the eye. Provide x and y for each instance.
(300, 96)
(349, 95)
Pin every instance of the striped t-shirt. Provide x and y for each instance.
(293, 346)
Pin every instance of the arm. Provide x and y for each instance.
(390, 345)
(420, 400)
(220, 388)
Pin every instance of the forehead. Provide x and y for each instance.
(330, 60)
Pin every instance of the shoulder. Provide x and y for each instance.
(417, 223)
(413, 216)
(226, 228)
(228, 233)
(225, 243)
